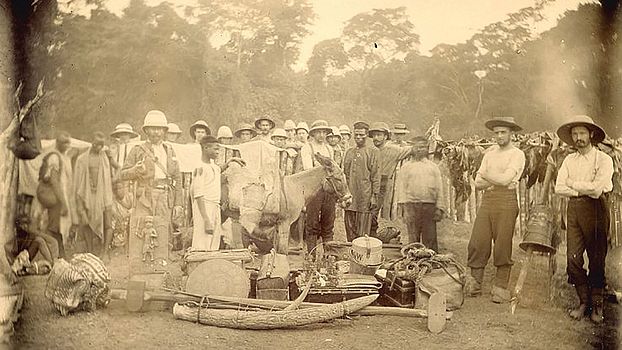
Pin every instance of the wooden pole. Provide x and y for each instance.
(521, 279)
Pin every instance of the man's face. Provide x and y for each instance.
(211, 150)
(62, 145)
(345, 137)
(291, 133)
(302, 135)
(199, 133)
(503, 135)
(319, 136)
(246, 135)
(98, 144)
(420, 149)
(581, 136)
(379, 138)
(155, 134)
(225, 140)
(279, 141)
(360, 136)
(264, 127)
(124, 138)
(332, 140)
(172, 137)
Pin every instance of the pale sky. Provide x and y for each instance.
(436, 21)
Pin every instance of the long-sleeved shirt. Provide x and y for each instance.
(308, 151)
(360, 165)
(420, 182)
(498, 161)
(590, 174)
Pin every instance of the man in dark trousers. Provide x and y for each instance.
(498, 175)
(360, 165)
(584, 177)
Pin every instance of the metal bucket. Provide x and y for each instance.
(366, 251)
(540, 229)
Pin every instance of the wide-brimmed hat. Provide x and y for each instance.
(400, 129)
(380, 126)
(302, 126)
(344, 130)
(335, 132)
(173, 128)
(318, 125)
(199, 124)
(245, 127)
(123, 128)
(289, 125)
(279, 132)
(503, 121)
(272, 125)
(564, 131)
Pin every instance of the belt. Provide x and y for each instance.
(583, 197)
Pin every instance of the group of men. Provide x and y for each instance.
(381, 168)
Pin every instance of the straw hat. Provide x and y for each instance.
(303, 126)
(173, 128)
(199, 124)
(400, 129)
(272, 125)
(289, 125)
(344, 130)
(564, 131)
(279, 132)
(503, 121)
(318, 125)
(245, 127)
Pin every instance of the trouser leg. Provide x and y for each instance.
(428, 226)
(411, 222)
(59, 240)
(575, 246)
(480, 243)
(312, 224)
(350, 224)
(327, 219)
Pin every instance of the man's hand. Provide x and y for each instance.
(177, 211)
(439, 214)
(209, 231)
(140, 167)
(569, 182)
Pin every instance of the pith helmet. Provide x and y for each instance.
(155, 119)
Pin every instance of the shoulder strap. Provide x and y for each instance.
(152, 156)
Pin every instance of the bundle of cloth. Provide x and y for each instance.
(80, 284)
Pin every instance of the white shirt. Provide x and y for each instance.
(206, 182)
(160, 154)
(590, 173)
(307, 153)
(498, 161)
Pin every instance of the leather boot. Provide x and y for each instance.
(597, 305)
(584, 296)
(473, 285)
(502, 276)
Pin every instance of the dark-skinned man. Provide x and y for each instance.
(584, 177)
(360, 165)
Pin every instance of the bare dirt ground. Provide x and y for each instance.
(479, 324)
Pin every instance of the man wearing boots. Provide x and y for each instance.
(584, 177)
(498, 175)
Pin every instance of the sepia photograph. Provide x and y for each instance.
(310, 174)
